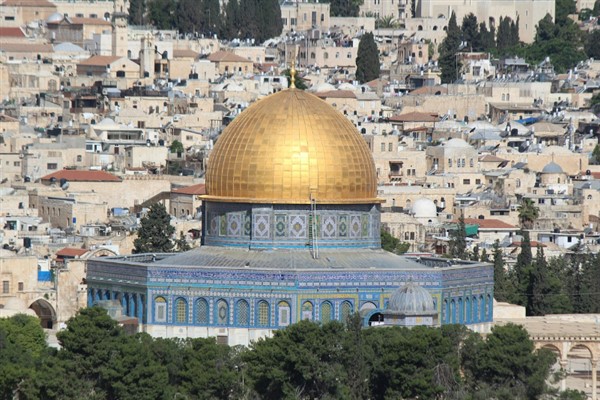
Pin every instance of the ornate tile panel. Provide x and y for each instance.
(355, 226)
(329, 226)
(234, 224)
(262, 226)
(280, 225)
(298, 226)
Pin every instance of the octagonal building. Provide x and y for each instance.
(291, 231)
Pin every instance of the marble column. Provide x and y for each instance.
(594, 379)
(564, 364)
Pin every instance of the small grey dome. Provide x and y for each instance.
(55, 18)
(552, 168)
(411, 299)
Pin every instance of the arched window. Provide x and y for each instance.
(283, 313)
(488, 308)
(461, 311)
(307, 310)
(468, 309)
(242, 312)
(475, 310)
(446, 311)
(160, 309)
(326, 311)
(345, 311)
(481, 308)
(453, 311)
(420, 28)
(180, 311)
(222, 312)
(263, 313)
(202, 311)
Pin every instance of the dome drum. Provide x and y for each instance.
(257, 226)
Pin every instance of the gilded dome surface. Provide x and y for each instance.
(287, 147)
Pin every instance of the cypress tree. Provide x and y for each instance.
(539, 286)
(154, 234)
(448, 49)
(500, 282)
(458, 240)
(367, 59)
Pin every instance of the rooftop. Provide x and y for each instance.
(82, 176)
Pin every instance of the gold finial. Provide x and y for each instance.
(293, 72)
(293, 77)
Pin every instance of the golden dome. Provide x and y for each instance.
(287, 147)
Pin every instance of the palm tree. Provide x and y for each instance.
(528, 213)
(387, 21)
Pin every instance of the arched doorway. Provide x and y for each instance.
(579, 368)
(45, 313)
(376, 319)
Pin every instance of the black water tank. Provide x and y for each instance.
(27, 242)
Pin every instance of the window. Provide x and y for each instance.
(326, 310)
(51, 166)
(5, 286)
(201, 311)
(9, 18)
(284, 313)
(17, 163)
(284, 21)
(307, 310)
(466, 181)
(222, 312)
(180, 311)
(345, 311)
(478, 181)
(160, 309)
(20, 286)
(79, 158)
(263, 313)
(382, 146)
(243, 312)
(391, 147)
(471, 162)
(450, 162)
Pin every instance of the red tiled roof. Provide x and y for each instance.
(415, 117)
(489, 223)
(337, 94)
(100, 60)
(194, 189)
(533, 243)
(15, 32)
(28, 3)
(70, 252)
(491, 158)
(226, 56)
(429, 90)
(73, 175)
(26, 48)
(184, 53)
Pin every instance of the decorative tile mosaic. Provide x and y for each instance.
(343, 225)
(234, 224)
(223, 225)
(355, 226)
(298, 226)
(247, 225)
(214, 223)
(280, 225)
(365, 225)
(262, 226)
(329, 227)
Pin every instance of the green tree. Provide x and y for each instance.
(458, 240)
(386, 22)
(162, 13)
(155, 232)
(367, 59)
(181, 244)
(539, 291)
(528, 213)
(344, 8)
(596, 10)
(564, 8)
(508, 363)
(22, 343)
(392, 244)
(176, 147)
(302, 361)
(470, 32)
(501, 287)
(136, 12)
(448, 49)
